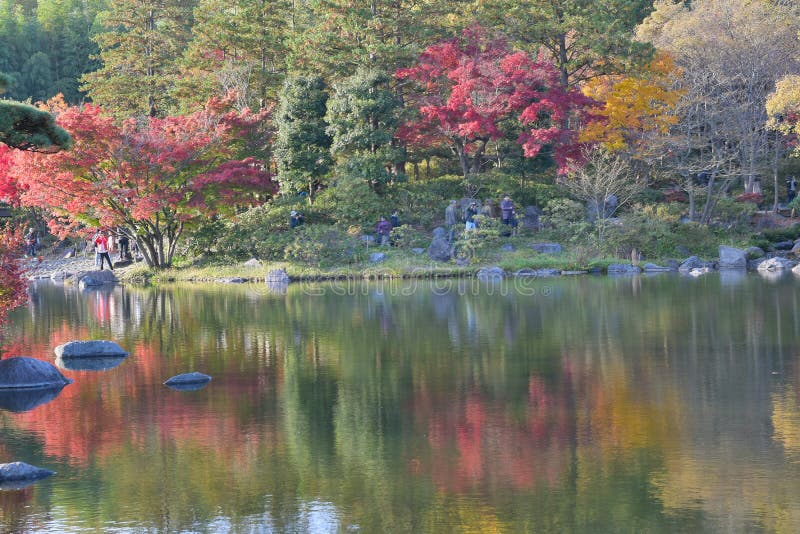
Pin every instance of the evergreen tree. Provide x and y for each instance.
(362, 114)
(302, 146)
(140, 45)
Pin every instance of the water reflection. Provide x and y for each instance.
(581, 404)
(24, 400)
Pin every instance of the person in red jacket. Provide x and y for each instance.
(101, 244)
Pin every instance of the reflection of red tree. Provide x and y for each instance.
(496, 447)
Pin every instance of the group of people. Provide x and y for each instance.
(102, 244)
(508, 215)
(383, 228)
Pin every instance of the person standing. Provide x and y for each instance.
(395, 219)
(791, 189)
(101, 244)
(506, 210)
(383, 230)
(30, 242)
(295, 219)
(124, 242)
(469, 216)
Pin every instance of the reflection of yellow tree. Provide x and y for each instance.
(786, 422)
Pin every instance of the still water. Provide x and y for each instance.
(591, 404)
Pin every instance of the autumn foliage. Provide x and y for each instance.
(152, 177)
(471, 91)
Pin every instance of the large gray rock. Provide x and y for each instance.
(23, 372)
(440, 249)
(531, 217)
(87, 279)
(278, 275)
(776, 264)
(188, 381)
(732, 258)
(439, 232)
(90, 349)
(491, 273)
(692, 262)
(547, 248)
(796, 269)
(233, 280)
(252, 263)
(17, 475)
(377, 257)
(783, 245)
(623, 268)
(653, 268)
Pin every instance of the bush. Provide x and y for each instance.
(475, 244)
(566, 221)
(323, 246)
(407, 237)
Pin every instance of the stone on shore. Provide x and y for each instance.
(623, 268)
(252, 263)
(753, 253)
(539, 273)
(776, 264)
(377, 257)
(278, 276)
(17, 475)
(693, 262)
(233, 280)
(88, 279)
(23, 372)
(90, 349)
(440, 249)
(491, 273)
(732, 258)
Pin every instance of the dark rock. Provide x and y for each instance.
(87, 279)
(623, 268)
(90, 349)
(188, 381)
(692, 262)
(653, 268)
(531, 217)
(752, 265)
(547, 248)
(70, 253)
(122, 263)
(462, 262)
(278, 275)
(491, 273)
(377, 257)
(439, 232)
(732, 258)
(17, 475)
(440, 249)
(22, 372)
(783, 245)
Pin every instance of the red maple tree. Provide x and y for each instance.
(151, 178)
(469, 90)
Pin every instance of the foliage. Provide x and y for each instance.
(12, 286)
(154, 178)
(474, 245)
(565, 220)
(140, 45)
(362, 123)
(27, 128)
(468, 88)
(407, 237)
(302, 146)
(323, 246)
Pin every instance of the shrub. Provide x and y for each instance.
(407, 237)
(323, 246)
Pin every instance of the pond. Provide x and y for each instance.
(588, 404)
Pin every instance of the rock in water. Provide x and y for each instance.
(17, 475)
(491, 273)
(732, 258)
(188, 381)
(90, 349)
(22, 372)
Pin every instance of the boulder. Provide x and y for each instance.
(796, 248)
(377, 257)
(23, 372)
(776, 264)
(732, 258)
(234, 280)
(440, 249)
(753, 253)
(783, 245)
(252, 263)
(508, 247)
(796, 269)
(700, 271)
(122, 263)
(278, 275)
(491, 273)
(418, 250)
(692, 262)
(530, 218)
(539, 273)
(188, 381)
(547, 248)
(439, 232)
(653, 268)
(70, 253)
(623, 268)
(87, 279)
(17, 475)
(90, 349)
